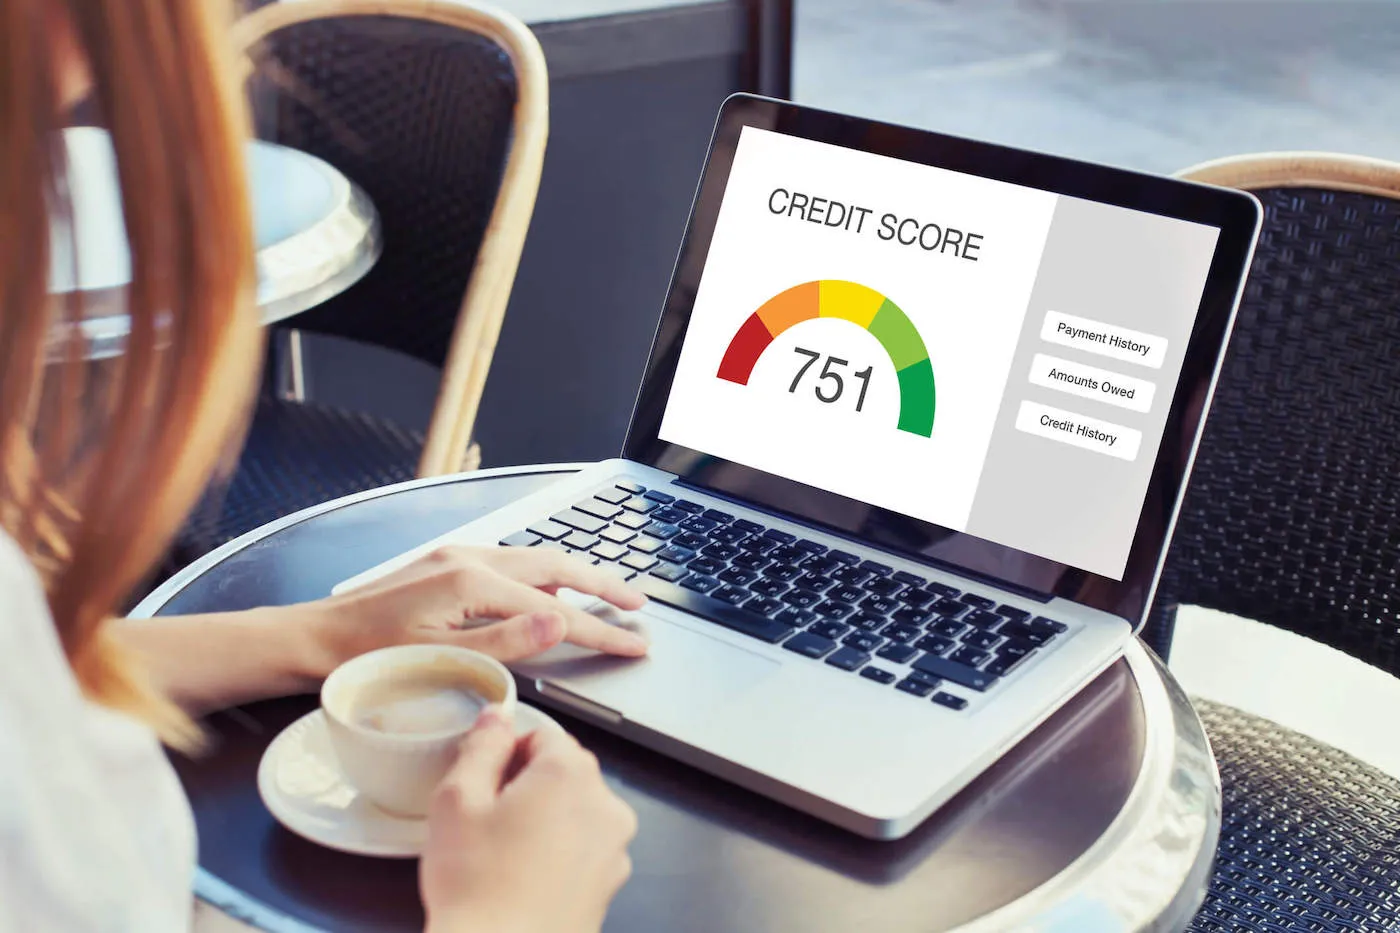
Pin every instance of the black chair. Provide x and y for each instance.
(438, 111)
(1292, 518)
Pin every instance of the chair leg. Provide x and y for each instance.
(472, 459)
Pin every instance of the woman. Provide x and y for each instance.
(98, 470)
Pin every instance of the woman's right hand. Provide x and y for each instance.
(523, 836)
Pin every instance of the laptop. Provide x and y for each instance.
(904, 462)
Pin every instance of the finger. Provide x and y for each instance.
(482, 759)
(505, 597)
(551, 570)
(518, 637)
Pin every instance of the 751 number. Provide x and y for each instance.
(830, 378)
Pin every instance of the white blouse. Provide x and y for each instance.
(96, 835)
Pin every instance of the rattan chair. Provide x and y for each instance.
(439, 112)
(1292, 518)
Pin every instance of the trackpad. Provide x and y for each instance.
(686, 672)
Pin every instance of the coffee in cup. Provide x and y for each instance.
(397, 716)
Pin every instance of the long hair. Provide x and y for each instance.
(100, 462)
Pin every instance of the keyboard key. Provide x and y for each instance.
(750, 561)
(743, 524)
(700, 582)
(846, 594)
(758, 544)
(918, 599)
(675, 555)
(669, 572)
(811, 547)
(948, 628)
(879, 605)
(984, 641)
(884, 586)
(731, 593)
(632, 520)
(720, 551)
(598, 508)
(639, 562)
(580, 541)
(727, 534)
(645, 543)
(877, 674)
(549, 530)
(957, 673)
(802, 599)
(942, 589)
(715, 515)
(828, 629)
(617, 535)
(867, 622)
(706, 565)
(685, 505)
(934, 644)
(820, 563)
(795, 616)
(908, 616)
(876, 568)
(950, 701)
(783, 572)
(831, 609)
(1012, 613)
(609, 551)
(576, 519)
(738, 577)
(690, 539)
(923, 678)
(788, 554)
(520, 539)
(670, 515)
(782, 537)
(1041, 623)
(849, 659)
(698, 523)
(814, 581)
(721, 613)
(845, 557)
(767, 587)
(897, 653)
(809, 645)
(1021, 631)
(613, 494)
(982, 618)
(655, 495)
(764, 606)
(980, 602)
(949, 607)
(863, 641)
(638, 504)
(972, 657)
(917, 688)
(634, 488)
(852, 575)
(663, 531)
(898, 631)
(1002, 664)
(909, 579)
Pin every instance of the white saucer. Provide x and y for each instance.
(300, 781)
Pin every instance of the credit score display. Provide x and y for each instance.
(988, 357)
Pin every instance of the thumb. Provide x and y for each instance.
(518, 637)
(482, 759)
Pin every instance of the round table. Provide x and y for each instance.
(317, 234)
(1105, 819)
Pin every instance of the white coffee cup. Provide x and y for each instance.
(398, 770)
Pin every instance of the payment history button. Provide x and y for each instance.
(1110, 340)
(1081, 431)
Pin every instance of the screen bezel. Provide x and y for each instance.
(1236, 214)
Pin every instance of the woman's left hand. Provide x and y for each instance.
(500, 601)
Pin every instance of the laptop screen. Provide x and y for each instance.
(989, 358)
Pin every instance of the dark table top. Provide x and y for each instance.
(1104, 819)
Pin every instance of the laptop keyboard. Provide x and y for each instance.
(889, 626)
